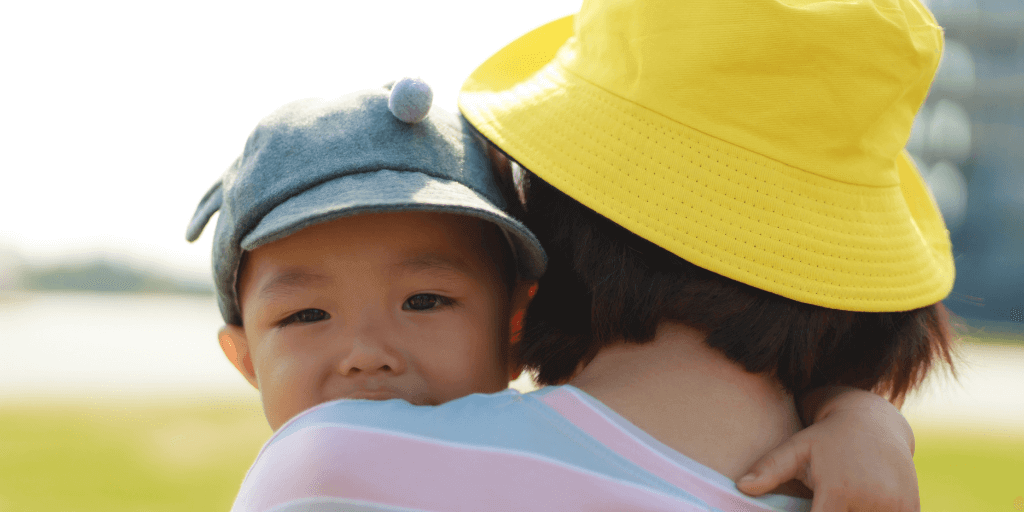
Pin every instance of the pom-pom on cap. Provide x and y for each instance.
(410, 100)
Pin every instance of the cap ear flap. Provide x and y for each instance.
(210, 203)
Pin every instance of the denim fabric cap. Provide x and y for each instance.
(317, 160)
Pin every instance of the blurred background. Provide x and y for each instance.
(118, 116)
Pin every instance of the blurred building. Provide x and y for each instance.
(969, 142)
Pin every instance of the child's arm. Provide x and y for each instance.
(856, 456)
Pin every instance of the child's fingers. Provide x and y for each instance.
(784, 463)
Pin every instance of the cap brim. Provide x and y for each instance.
(387, 191)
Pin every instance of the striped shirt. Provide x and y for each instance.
(553, 449)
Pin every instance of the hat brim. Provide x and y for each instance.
(387, 191)
(710, 202)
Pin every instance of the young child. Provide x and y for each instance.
(363, 251)
(373, 219)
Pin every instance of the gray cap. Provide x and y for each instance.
(317, 160)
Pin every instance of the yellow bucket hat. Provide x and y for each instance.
(762, 140)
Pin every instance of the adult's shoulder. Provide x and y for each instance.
(463, 420)
(476, 453)
(367, 451)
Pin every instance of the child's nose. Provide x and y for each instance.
(368, 357)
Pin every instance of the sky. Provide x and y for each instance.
(118, 116)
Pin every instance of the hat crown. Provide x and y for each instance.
(311, 141)
(828, 87)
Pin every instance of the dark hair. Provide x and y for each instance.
(605, 284)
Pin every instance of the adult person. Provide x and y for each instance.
(722, 186)
(730, 222)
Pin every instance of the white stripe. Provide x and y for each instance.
(329, 504)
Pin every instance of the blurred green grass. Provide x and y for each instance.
(191, 454)
(160, 455)
(969, 469)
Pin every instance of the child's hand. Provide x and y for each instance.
(856, 457)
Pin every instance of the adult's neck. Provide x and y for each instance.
(692, 398)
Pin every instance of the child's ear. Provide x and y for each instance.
(521, 297)
(236, 347)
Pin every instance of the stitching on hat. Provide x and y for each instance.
(777, 213)
(727, 152)
(908, 293)
(837, 255)
(754, 178)
(655, 228)
(711, 169)
(671, 179)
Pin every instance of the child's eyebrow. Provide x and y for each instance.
(290, 279)
(432, 262)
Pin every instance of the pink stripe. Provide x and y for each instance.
(416, 473)
(591, 421)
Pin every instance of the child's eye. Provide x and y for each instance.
(425, 301)
(306, 316)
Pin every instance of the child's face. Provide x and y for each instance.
(378, 306)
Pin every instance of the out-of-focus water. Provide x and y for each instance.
(987, 395)
(108, 346)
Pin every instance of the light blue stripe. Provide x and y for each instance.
(505, 420)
